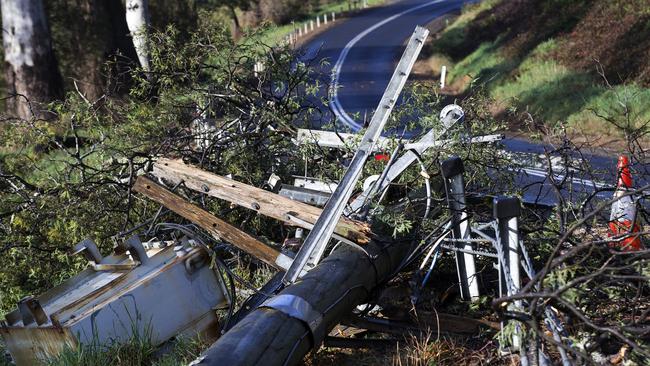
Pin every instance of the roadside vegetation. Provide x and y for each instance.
(572, 63)
(342, 8)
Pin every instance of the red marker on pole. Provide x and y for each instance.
(382, 157)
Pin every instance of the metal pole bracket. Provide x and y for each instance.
(298, 308)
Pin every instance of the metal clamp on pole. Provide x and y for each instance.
(452, 172)
(89, 249)
(506, 212)
(298, 308)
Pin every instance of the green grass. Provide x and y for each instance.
(274, 35)
(538, 84)
(450, 42)
(556, 93)
(137, 351)
(614, 103)
(485, 65)
(470, 12)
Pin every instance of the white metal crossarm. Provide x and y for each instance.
(340, 140)
(453, 115)
(315, 243)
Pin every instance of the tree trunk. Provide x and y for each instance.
(31, 71)
(137, 18)
(236, 26)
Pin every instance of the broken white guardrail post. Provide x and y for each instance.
(452, 172)
(506, 213)
(443, 77)
(314, 247)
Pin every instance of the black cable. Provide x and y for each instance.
(233, 292)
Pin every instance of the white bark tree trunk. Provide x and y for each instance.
(31, 71)
(137, 18)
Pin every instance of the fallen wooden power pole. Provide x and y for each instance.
(318, 301)
(266, 203)
(215, 226)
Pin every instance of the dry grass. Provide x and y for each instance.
(426, 351)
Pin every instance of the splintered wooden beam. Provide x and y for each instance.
(215, 226)
(265, 202)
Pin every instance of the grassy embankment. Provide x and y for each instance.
(579, 64)
(276, 33)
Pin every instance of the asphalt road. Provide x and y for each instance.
(362, 52)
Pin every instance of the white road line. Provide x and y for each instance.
(578, 181)
(337, 108)
(583, 182)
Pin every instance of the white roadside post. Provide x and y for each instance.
(443, 77)
(325, 19)
(452, 171)
(311, 25)
(318, 21)
(300, 32)
(507, 211)
(333, 16)
(305, 31)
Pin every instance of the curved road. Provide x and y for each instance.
(364, 49)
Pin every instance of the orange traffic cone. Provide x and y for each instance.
(623, 218)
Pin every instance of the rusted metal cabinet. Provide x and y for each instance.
(172, 291)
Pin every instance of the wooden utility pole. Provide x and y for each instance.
(31, 74)
(330, 291)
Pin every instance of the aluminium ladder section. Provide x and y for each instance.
(314, 247)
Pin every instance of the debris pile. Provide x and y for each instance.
(326, 284)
